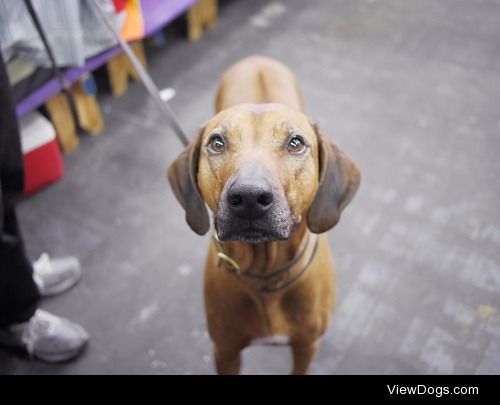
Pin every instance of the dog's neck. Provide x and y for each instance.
(268, 256)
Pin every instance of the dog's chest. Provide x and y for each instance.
(274, 340)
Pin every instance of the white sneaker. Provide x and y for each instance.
(55, 276)
(46, 337)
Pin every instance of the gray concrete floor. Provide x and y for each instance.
(411, 89)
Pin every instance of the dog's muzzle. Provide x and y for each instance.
(252, 210)
(250, 198)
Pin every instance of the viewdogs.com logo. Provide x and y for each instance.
(432, 391)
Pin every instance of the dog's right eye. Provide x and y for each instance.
(216, 144)
(296, 145)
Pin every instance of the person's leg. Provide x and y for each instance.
(22, 325)
(19, 294)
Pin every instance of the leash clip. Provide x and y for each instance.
(235, 266)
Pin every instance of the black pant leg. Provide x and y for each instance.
(19, 294)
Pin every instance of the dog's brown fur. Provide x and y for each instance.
(257, 102)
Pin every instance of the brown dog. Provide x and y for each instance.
(273, 181)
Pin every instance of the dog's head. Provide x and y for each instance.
(261, 169)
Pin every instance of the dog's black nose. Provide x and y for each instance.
(250, 198)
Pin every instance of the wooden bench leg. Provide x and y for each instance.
(211, 14)
(195, 26)
(120, 69)
(201, 15)
(138, 49)
(60, 114)
(118, 74)
(88, 110)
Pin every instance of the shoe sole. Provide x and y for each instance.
(6, 341)
(60, 357)
(63, 287)
(9, 344)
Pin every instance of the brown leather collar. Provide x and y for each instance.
(275, 280)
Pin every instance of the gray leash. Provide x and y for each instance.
(145, 78)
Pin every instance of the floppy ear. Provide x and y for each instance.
(339, 179)
(182, 175)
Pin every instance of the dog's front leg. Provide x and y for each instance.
(303, 353)
(227, 359)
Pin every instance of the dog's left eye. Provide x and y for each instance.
(216, 144)
(296, 145)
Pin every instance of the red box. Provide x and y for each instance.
(43, 163)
